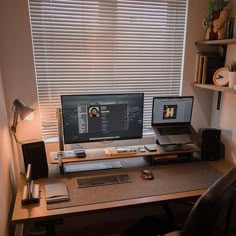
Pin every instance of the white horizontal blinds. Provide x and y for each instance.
(106, 46)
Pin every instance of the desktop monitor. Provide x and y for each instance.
(97, 117)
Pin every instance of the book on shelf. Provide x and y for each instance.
(234, 29)
(229, 28)
(196, 68)
(207, 64)
(204, 69)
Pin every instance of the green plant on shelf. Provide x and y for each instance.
(232, 66)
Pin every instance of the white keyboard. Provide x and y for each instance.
(77, 167)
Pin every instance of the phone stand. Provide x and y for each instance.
(31, 190)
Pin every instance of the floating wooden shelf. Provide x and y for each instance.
(215, 88)
(102, 154)
(222, 43)
(217, 42)
(219, 89)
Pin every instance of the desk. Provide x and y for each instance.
(39, 212)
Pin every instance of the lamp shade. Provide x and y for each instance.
(23, 110)
(20, 109)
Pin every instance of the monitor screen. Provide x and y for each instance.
(97, 117)
(172, 110)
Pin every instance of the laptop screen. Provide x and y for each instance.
(172, 110)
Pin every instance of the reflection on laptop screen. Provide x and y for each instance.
(171, 110)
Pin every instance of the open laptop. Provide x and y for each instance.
(171, 120)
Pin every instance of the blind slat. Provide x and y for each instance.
(106, 46)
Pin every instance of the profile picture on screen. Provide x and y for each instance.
(169, 112)
(94, 112)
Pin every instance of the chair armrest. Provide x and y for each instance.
(175, 233)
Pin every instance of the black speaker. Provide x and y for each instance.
(210, 142)
(35, 154)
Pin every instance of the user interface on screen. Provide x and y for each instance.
(97, 117)
(172, 110)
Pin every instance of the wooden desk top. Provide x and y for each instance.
(101, 154)
(39, 211)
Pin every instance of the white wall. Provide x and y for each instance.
(197, 10)
(16, 81)
(17, 63)
(7, 166)
(18, 78)
(205, 113)
(224, 118)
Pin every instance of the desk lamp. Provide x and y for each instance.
(25, 113)
(31, 190)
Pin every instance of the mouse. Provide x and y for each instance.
(147, 174)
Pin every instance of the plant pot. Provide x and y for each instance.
(232, 78)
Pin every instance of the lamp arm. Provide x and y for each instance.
(14, 124)
(60, 129)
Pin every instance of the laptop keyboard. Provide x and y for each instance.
(174, 130)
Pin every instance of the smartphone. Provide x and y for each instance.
(151, 148)
(141, 149)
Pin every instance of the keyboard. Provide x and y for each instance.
(77, 167)
(103, 180)
(174, 130)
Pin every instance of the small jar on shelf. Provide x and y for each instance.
(232, 74)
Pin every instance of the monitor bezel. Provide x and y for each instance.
(103, 139)
(171, 97)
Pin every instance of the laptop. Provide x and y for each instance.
(171, 120)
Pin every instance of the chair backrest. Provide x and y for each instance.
(212, 213)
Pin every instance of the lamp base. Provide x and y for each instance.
(33, 196)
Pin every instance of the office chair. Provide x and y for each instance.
(214, 211)
(213, 214)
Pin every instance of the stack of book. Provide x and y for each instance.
(206, 65)
(56, 192)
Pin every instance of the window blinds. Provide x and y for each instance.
(106, 46)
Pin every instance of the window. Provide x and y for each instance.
(106, 46)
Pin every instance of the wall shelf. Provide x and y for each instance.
(216, 42)
(223, 43)
(215, 88)
(219, 89)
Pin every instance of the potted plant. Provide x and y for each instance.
(232, 73)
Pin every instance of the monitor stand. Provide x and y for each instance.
(175, 147)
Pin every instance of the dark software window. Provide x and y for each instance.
(172, 109)
(102, 117)
(107, 118)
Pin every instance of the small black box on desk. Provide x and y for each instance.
(210, 143)
(35, 154)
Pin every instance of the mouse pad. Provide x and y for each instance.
(168, 179)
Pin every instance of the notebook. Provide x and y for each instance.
(56, 192)
(171, 120)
